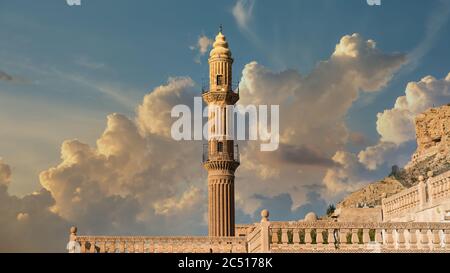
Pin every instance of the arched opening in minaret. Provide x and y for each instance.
(220, 147)
(219, 80)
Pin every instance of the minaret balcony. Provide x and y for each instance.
(221, 156)
(224, 93)
(234, 87)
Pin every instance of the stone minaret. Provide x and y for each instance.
(222, 157)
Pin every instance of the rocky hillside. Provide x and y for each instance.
(432, 154)
(372, 194)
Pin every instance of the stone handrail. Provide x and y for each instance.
(325, 236)
(439, 187)
(160, 244)
(254, 243)
(402, 202)
(423, 195)
(292, 237)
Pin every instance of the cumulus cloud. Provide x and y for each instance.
(154, 113)
(374, 156)
(202, 46)
(312, 110)
(346, 177)
(27, 224)
(396, 125)
(136, 176)
(5, 173)
(173, 205)
(243, 12)
(137, 180)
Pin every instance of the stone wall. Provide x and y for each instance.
(359, 215)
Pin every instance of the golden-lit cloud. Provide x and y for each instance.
(396, 125)
(137, 180)
(313, 108)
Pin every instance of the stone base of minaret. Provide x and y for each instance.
(221, 198)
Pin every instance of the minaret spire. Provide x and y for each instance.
(222, 156)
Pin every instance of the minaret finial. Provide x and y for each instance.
(220, 28)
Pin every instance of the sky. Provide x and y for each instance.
(85, 93)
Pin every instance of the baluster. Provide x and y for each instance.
(112, 246)
(424, 239)
(130, 246)
(274, 235)
(121, 246)
(355, 239)
(319, 237)
(163, 247)
(141, 246)
(366, 236)
(92, 246)
(331, 237)
(170, 246)
(436, 239)
(284, 236)
(343, 236)
(401, 238)
(151, 246)
(413, 239)
(296, 236)
(308, 239)
(379, 236)
(83, 246)
(447, 239)
(389, 238)
(102, 246)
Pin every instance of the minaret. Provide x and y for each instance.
(222, 158)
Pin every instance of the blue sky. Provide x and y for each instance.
(75, 65)
(65, 69)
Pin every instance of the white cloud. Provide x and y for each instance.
(374, 156)
(313, 110)
(5, 173)
(436, 22)
(173, 205)
(243, 13)
(346, 176)
(26, 223)
(396, 125)
(154, 113)
(87, 62)
(202, 46)
(136, 178)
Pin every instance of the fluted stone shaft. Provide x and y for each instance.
(221, 205)
(221, 162)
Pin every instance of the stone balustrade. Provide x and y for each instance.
(254, 239)
(286, 237)
(324, 236)
(403, 202)
(439, 187)
(424, 195)
(155, 244)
